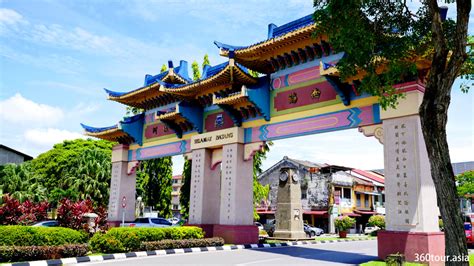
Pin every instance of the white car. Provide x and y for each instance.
(149, 222)
(173, 220)
(260, 226)
(369, 229)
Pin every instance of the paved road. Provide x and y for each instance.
(344, 253)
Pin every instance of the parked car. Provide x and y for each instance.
(468, 231)
(149, 222)
(173, 220)
(48, 223)
(260, 226)
(270, 227)
(312, 231)
(370, 229)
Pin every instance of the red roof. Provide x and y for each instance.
(177, 177)
(265, 212)
(315, 212)
(369, 175)
(365, 212)
(351, 214)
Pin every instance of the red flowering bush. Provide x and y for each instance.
(71, 215)
(26, 213)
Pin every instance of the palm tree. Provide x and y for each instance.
(21, 183)
(91, 176)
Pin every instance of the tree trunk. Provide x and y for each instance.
(444, 70)
(433, 122)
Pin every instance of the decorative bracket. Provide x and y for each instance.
(343, 92)
(373, 131)
(251, 148)
(132, 167)
(216, 158)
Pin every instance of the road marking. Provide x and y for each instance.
(256, 261)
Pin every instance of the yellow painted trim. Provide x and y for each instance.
(328, 109)
(282, 118)
(163, 141)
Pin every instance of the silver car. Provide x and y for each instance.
(312, 231)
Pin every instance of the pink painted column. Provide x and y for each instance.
(205, 191)
(236, 206)
(411, 204)
(122, 187)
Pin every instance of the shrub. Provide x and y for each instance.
(377, 220)
(17, 235)
(105, 243)
(25, 253)
(343, 223)
(26, 213)
(122, 239)
(71, 215)
(183, 243)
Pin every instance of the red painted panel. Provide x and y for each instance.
(157, 130)
(210, 123)
(410, 244)
(281, 100)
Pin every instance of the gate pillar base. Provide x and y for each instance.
(232, 234)
(412, 245)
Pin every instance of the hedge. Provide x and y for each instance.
(25, 253)
(124, 239)
(17, 235)
(183, 243)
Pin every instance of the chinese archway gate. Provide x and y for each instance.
(221, 120)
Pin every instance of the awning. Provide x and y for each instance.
(351, 214)
(365, 212)
(265, 212)
(368, 193)
(315, 212)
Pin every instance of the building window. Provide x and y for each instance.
(366, 203)
(358, 200)
(346, 193)
(175, 207)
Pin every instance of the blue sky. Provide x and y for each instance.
(57, 56)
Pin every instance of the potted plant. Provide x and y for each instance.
(343, 223)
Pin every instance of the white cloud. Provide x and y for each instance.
(21, 111)
(9, 16)
(50, 136)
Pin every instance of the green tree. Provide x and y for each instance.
(260, 192)
(196, 72)
(381, 35)
(156, 176)
(91, 176)
(205, 61)
(21, 183)
(163, 68)
(52, 166)
(185, 190)
(465, 182)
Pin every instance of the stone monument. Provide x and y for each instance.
(289, 214)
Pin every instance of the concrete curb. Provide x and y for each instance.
(97, 258)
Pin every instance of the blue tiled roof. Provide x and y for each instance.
(182, 71)
(97, 129)
(208, 72)
(149, 79)
(274, 32)
(293, 25)
(114, 93)
(131, 119)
